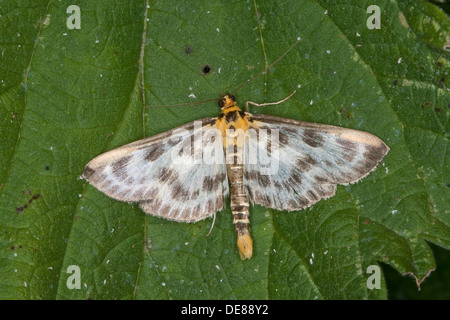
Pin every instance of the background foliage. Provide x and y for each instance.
(68, 95)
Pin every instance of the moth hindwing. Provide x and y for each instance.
(185, 174)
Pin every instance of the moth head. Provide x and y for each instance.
(226, 100)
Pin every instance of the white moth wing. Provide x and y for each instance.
(307, 163)
(166, 173)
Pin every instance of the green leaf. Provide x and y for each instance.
(67, 95)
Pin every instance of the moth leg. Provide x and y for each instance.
(267, 103)
(212, 225)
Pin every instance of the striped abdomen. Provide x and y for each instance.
(239, 205)
(233, 123)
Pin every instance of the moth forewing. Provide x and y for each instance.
(313, 159)
(159, 173)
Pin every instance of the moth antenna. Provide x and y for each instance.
(268, 67)
(267, 103)
(214, 220)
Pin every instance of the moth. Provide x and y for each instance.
(186, 174)
(170, 177)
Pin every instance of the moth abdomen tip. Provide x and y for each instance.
(245, 246)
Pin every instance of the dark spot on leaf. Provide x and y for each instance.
(188, 49)
(206, 70)
(345, 112)
(425, 104)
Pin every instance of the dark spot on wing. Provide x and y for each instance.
(303, 202)
(120, 163)
(164, 210)
(220, 179)
(346, 144)
(88, 171)
(328, 163)
(210, 206)
(296, 178)
(167, 175)
(175, 212)
(138, 193)
(312, 195)
(312, 138)
(306, 164)
(283, 138)
(207, 184)
(263, 180)
(179, 193)
(292, 204)
(349, 155)
(376, 152)
(321, 179)
(196, 193)
(154, 152)
(210, 122)
(151, 194)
